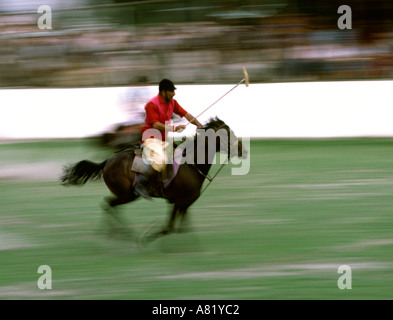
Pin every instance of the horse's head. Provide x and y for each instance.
(227, 141)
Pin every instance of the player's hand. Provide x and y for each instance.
(180, 128)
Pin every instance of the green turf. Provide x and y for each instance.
(280, 232)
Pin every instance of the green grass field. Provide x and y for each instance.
(280, 232)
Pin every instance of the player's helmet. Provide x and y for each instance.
(166, 84)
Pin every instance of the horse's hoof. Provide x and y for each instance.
(145, 240)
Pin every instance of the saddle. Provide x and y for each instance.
(161, 181)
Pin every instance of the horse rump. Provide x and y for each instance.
(81, 172)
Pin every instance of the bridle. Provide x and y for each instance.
(207, 176)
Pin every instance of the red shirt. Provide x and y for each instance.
(157, 110)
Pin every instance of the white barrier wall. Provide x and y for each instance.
(277, 110)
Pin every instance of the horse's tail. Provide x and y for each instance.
(82, 172)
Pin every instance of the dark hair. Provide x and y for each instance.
(166, 84)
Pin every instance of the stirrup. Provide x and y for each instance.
(141, 191)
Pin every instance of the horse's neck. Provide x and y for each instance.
(209, 157)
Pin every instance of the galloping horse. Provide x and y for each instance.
(183, 190)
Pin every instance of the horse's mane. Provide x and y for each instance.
(214, 123)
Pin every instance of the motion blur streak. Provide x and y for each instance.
(280, 232)
(305, 208)
(96, 43)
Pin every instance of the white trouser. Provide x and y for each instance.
(156, 153)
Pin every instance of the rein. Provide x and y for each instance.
(207, 176)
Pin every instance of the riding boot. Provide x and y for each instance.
(142, 187)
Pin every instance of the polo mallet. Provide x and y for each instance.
(245, 79)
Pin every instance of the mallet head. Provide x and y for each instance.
(246, 80)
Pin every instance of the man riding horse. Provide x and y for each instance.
(159, 111)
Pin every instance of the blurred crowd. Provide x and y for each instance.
(275, 45)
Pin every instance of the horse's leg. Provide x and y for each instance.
(171, 223)
(118, 177)
(184, 220)
(116, 223)
(165, 231)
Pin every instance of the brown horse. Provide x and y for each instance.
(185, 187)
